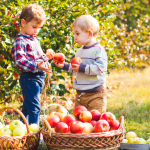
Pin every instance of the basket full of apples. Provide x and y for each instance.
(18, 135)
(82, 129)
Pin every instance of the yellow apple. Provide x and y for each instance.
(124, 141)
(131, 140)
(33, 127)
(19, 131)
(131, 134)
(141, 141)
(148, 141)
(5, 131)
(15, 124)
(88, 128)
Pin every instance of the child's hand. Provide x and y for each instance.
(75, 67)
(60, 65)
(42, 67)
(50, 53)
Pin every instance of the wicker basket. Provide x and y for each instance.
(104, 140)
(27, 142)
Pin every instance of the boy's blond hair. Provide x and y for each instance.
(33, 12)
(86, 23)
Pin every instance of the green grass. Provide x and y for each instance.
(130, 98)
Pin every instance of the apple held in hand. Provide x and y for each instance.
(85, 116)
(34, 127)
(78, 110)
(53, 120)
(61, 127)
(101, 126)
(50, 52)
(59, 57)
(15, 124)
(95, 114)
(109, 117)
(77, 127)
(76, 60)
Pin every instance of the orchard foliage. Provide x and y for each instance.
(124, 32)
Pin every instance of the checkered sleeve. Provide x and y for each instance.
(20, 57)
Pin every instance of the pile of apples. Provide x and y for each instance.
(131, 137)
(83, 121)
(16, 128)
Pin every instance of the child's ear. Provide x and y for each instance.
(90, 33)
(23, 22)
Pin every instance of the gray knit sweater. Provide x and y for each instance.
(92, 70)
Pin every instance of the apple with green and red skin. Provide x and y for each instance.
(101, 126)
(77, 127)
(76, 60)
(59, 57)
(61, 127)
(85, 116)
(95, 114)
(53, 120)
(109, 117)
(68, 119)
(16, 75)
(115, 126)
(78, 110)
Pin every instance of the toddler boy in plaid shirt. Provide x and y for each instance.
(30, 59)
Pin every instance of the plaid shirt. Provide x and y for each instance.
(27, 53)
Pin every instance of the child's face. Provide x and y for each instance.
(81, 37)
(32, 27)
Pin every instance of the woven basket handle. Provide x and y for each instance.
(46, 124)
(20, 113)
(121, 120)
(53, 105)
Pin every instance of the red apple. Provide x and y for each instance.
(61, 127)
(77, 127)
(76, 60)
(53, 120)
(60, 115)
(95, 114)
(85, 116)
(88, 128)
(1, 57)
(93, 122)
(115, 126)
(78, 110)
(101, 126)
(109, 117)
(59, 57)
(68, 119)
(16, 75)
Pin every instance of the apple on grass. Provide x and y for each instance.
(5, 132)
(109, 117)
(61, 127)
(33, 127)
(77, 127)
(15, 124)
(85, 116)
(78, 110)
(101, 126)
(95, 114)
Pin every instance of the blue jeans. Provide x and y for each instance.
(32, 85)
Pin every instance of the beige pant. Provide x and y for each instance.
(91, 101)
